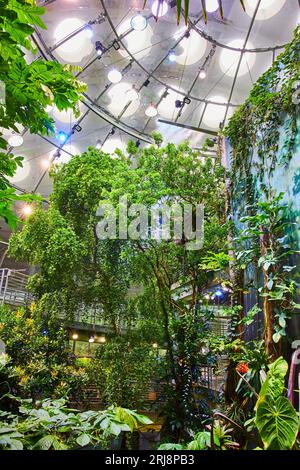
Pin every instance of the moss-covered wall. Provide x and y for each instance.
(262, 154)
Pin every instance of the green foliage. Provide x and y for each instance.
(29, 88)
(215, 262)
(40, 361)
(261, 114)
(51, 425)
(222, 440)
(123, 368)
(269, 227)
(277, 423)
(276, 419)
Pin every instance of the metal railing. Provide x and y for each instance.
(13, 289)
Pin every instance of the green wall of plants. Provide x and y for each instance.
(262, 154)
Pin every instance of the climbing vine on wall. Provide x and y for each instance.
(255, 136)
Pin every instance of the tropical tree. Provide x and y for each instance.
(27, 88)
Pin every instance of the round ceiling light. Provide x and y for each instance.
(132, 94)
(77, 47)
(267, 8)
(159, 8)
(111, 145)
(120, 95)
(114, 76)
(151, 110)
(229, 59)
(138, 22)
(193, 48)
(211, 5)
(138, 42)
(214, 114)
(67, 117)
(15, 140)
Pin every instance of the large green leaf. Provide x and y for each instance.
(277, 423)
(273, 386)
(44, 443)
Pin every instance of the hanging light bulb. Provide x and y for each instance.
(172, 56)
(74, 336)
(132, 94)
(91, 339)
(15, 140)
(151, 110)
(159, 8)
(114, 76)
(211, 5)
(202, 74)
(138, 22)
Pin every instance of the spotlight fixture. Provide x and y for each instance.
(187, 34)
(172, 55)
(88, 31)
(114, 76)
(138, 143)
(159, 8)
(45, 163)
(132, 94)
(27, 210)
(146, 83)
(91, 339)
(178, 104)
(151, 110)
(15, 140)
(112, 132)
(138, 22)
(116, 45)
(98, 144)
(202, 74)
(186, 100)
(100, 49)
(62, 136)
(74, 336)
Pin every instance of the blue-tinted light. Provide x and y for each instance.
(62, 136)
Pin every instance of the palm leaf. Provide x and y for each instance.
(221, 9)
(186, 10)
(243, 4)
(178, 3)
(204, 11)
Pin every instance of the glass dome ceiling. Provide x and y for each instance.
(194, 75)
